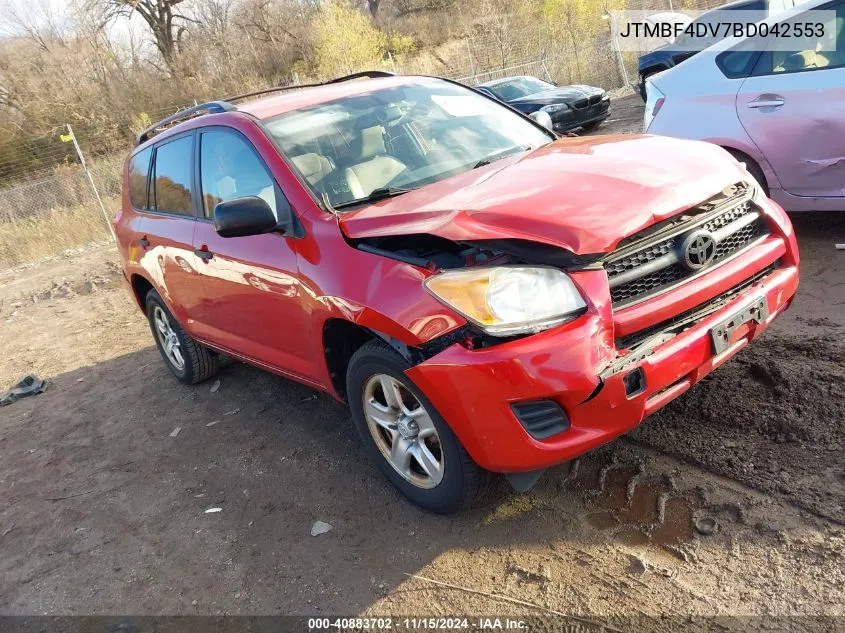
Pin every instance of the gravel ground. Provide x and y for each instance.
(103, 503)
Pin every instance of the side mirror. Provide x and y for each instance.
(240, 217)
(543, 119)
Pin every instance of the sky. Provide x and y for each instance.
(42, 13)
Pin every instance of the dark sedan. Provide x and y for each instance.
(569, 107)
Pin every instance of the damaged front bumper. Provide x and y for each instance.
(602, 393)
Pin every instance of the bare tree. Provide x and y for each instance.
(165, 19)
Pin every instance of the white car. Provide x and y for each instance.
(781, 113)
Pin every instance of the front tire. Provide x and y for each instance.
(190, 361)
(405, 436)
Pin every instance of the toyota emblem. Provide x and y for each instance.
(698, 249)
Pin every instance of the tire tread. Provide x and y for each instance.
(201, 363)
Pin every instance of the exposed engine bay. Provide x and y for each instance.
(435, 253)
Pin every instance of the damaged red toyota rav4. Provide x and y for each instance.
(484, 296)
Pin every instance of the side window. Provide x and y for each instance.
(139, 168)
(776, 62)
(172, 171)
(230, 168)
(736, 63)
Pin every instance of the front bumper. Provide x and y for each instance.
(575, 118)
(473, 389)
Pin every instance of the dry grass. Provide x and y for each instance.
(51, 233)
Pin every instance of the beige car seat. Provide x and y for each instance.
(376, 168)
(313, 167)
(815, 58)
(836, 57)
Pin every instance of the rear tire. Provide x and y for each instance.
(409, 441)
(190, 361)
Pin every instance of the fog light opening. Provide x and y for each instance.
(634, 382)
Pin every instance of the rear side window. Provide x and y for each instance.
(230, 168)
(737, 63)
(172, 173)
(139, 168)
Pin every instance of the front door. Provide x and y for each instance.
(793, 108)
(251, 303)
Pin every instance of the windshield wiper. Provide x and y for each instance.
(503, 154)
(376, 194)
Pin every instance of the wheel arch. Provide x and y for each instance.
(140, 287)
(749, 156)
(654, 68)
(341, 338)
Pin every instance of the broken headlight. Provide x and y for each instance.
(509, 300)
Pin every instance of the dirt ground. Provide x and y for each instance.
(103, 504)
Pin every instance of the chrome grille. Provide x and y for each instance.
(651, 265)
(640, 257)
(736, 241)
(723, 219)
(694, 315)
(647, 283)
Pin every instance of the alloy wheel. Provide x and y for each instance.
(403, 431)
(168, 339)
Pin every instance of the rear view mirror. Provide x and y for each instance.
(240, 217)
(543, 119)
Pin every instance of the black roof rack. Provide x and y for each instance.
(371, 74)
(214, 107)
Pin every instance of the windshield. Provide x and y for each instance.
(519, 87)
(398, 138)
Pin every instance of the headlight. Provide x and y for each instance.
(555, 107)
(509, 300)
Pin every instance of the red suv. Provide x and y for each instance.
(484, 296)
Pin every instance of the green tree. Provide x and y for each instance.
(346, 40)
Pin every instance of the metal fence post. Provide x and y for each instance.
(614, 44)
(91, 180)
(471, 62)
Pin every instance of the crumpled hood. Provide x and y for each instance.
(565, 94)
(583, 194)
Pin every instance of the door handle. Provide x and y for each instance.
(766, 103)
(144, 242)
(203, 253)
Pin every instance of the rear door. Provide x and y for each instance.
(129, 226)
(168, 227)
(793, 107)
(251, 301)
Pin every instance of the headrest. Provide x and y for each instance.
(372, 142)
(313, 167)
